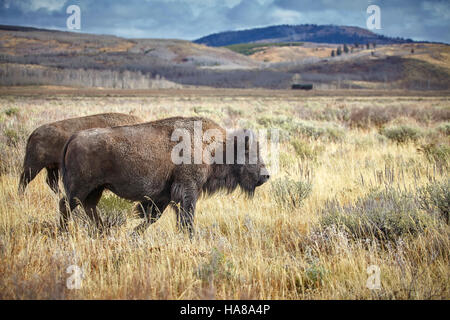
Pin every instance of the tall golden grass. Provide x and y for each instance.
(259, 248)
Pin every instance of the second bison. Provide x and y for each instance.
(46, 143)
(137, 163)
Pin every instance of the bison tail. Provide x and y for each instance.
(22, 183)
(28, 166)
(24, 180)
(63, 164)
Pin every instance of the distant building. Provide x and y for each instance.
(296, 85)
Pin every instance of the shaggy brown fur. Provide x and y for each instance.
(46, 143)
(135, 163)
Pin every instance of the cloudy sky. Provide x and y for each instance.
(191, 19)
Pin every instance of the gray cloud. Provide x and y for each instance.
(190, 19)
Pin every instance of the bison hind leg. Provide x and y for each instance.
(65, 212)
(90, 207)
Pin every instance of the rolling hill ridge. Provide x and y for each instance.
(30, 56)
(306, 32)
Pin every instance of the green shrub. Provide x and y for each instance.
(331, 133)
(435, 199)
(114, 210)
(314, 275)
(282, 122)
(251, 48)
(12, 137)
(305, 151)
(334, 134)
(444, 128)
(288, 192)
(437, 153)
(217, 267)
(11, 111)
(295, 127)
(401, 133)
(234, 112)
(309, 131)
(203, 110)
(111, 202)
(378, 115)
(385, 215)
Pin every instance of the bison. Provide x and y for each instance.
(46, 143)
(141, 163)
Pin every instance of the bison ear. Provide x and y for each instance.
(249, 139)
(242, 138)
(246, 135)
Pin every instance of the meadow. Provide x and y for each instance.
(363, 181)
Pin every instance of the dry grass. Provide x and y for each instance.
(260, 248)
(293, 53)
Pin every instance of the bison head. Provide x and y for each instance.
(248, 166)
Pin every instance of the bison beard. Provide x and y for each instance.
(134, 162)
(45, 144)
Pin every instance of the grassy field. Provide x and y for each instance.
(363, 181)
(249, 49)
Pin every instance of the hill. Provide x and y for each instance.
(306, 32)
(77, 49)
(30, 56)
(407, 66)
(47, 57)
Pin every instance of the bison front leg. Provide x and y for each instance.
(186, 198)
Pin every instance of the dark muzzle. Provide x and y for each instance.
(263, 179)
